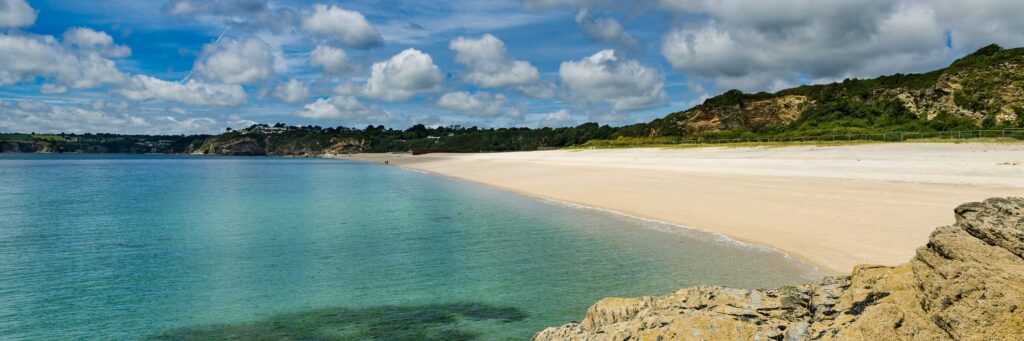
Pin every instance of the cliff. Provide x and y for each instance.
(967, 283)
(279, 145)
(985, 88)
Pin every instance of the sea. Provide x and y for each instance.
(159, 247)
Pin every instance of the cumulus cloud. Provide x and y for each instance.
(26, 58)
(491, 66)
(246, 13)
(480, 104)
(177, 110)
(330, 59)
(40, 117)
(348, 27)
(16, 13)
(232, 61)
(770, 44)
(766, 45)
(292, 91)
(193, 92)
(402, 76)
(557, 119)
(605, 29)
(91, 40)
(973, 24)
(623, 84)
(343, 108)
(610, 4)
(51, 89)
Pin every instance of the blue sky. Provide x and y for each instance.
(188, 66)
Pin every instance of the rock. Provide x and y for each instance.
(246, 146)
(276, 145)
(967, 283)
(22, 147)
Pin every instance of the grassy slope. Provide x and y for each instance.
(854, 106)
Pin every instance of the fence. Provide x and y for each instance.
(898, 136)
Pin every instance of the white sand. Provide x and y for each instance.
(832, 206)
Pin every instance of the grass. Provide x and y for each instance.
(16, 137)
(43, 137)
(621, 144)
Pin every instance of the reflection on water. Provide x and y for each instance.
(425, 322)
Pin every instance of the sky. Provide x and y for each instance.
(201, 66)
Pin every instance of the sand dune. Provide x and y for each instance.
(832, 206)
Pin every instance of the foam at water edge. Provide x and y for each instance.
(814, 273)
(665, 226)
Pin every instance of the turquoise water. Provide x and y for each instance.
(125, 247)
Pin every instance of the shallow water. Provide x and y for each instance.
(125, 247)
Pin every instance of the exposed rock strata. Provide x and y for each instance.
(967, 283)
(752, 115)
(266, 145)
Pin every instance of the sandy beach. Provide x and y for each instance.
(835, 207)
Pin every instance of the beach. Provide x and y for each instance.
(835, 207)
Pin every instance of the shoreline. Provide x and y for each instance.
(815, 268)
(811, 209)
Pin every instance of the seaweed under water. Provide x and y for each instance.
(420, 322)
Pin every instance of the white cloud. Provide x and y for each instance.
(402, 76)
(246, 13)
(349, 27)
(235, 62)
(238, 122)
(178, 111)
(40, 117)
(490, 66)
(193, 92)
(766, 45)
(26, 58)
(343, 108)
(605, 29)
(480, 104)
(91, 40)
(978, 23)
(330, 59)
(292, 91)
(51, 89)
(557, 119)
(623, 84)
(16, 13)
(101, 105)
(610, 4)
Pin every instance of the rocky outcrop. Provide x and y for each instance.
(23, 147)
(986, 87)
(259, 144)
(993, 92)
(246, 146)
(967, 283)
(745, 115)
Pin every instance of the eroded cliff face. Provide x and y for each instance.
(267, 145)
(21, 147)
(752, 115)
(993, 92)
(967, 283)
(986, 87)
